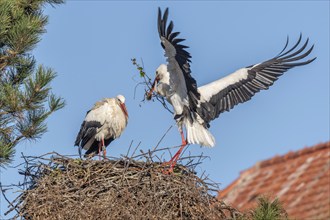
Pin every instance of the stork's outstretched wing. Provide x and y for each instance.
(178, 60)
(241, 85)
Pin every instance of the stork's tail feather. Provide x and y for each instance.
(198, 134)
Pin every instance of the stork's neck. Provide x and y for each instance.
(163, 85)
(164, 78)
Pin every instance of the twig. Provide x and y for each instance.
(135, 149)
(147, 85)
(161, 139)
(11, 204)
(129, 149)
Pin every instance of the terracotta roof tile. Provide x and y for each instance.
(300, 179)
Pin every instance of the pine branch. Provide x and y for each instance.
(55, 103)
(26, 99)
(269, 210)
(6, 152)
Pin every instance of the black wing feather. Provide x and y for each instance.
(260, 77)
(87, 131)
(183, 59)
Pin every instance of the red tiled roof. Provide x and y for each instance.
(301, 180)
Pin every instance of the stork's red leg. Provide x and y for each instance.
(184, 142)
(104, 149)
(176, 156)
(99, 151)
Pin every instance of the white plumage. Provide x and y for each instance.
(103, 123)
(195, 107)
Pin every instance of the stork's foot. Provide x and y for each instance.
(174, 159)
(167, 171)
(168, 167)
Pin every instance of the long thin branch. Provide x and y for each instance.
(161, 139)
(11, 204)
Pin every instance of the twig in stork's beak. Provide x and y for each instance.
(149, 94)
(124, 109)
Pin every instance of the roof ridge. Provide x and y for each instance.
(292, 155)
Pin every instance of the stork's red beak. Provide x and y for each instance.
(123, 107)
(149, 94)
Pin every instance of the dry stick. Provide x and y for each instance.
(181, 212)
(25, 160)
(161, 149)
(159, 158)
(149, 158)
(135, 88)
(11, 204)
(135, 149)
(191, 159)
(161, 139)
(129, 149)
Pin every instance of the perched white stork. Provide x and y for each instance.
(194, 107)
(103, 123)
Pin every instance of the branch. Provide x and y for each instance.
(147, 83)
(10, 204)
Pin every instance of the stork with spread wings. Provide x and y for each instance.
(195, 107)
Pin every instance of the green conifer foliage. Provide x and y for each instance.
(26, 99)
(269, 210)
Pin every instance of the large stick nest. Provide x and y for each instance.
(60, 187)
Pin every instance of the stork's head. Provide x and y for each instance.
(161, 70)
(161, 75)
(121, 102)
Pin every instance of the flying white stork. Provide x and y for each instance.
(103, 123)
(194, 107)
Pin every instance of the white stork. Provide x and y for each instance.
(103, 123)
(194, 107)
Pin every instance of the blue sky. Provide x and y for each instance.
(90, 45)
